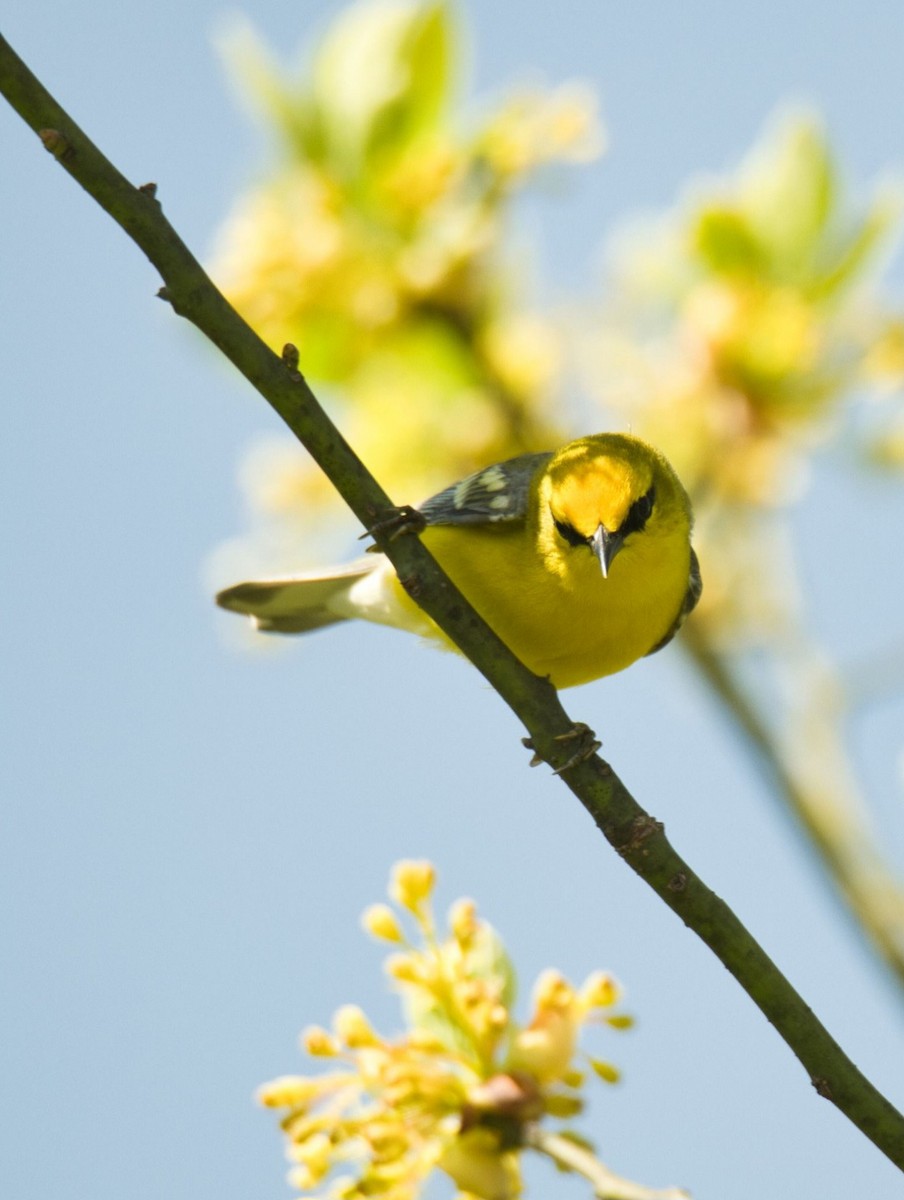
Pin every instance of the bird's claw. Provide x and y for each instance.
(589, 744)
(395, 522)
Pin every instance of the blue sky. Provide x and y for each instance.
(190, 832)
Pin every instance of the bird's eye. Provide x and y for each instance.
(639, 513)
(569, 533)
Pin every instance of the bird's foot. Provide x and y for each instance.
(395, 522)
(588, 744)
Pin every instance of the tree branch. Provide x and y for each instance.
(823, 807)
(635, 835)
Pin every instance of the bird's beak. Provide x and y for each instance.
(605, 546)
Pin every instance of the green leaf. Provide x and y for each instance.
(424, 1013)
(723, 238)
(488, 959)
(789, 193)
(381, 78)
(425, 56)
(282, 101)
(782, 219)
(853, 256)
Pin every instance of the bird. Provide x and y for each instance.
(580, 559)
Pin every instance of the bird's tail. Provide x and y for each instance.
(296, 603)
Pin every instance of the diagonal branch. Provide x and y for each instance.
(824, 808)
(635, 835)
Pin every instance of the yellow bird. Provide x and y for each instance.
(580, 559)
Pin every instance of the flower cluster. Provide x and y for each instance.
(736, 328)
(742, 320)
(378, 247)
(461, 1088)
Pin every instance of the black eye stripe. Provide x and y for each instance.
(569, 533)
(638, 513)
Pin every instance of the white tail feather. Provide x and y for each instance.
(297, 603)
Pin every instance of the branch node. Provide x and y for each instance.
(641, 829)
(57, 144)
(536, 758)
(164, 294)
(149, 189)
(413, 584)
(823, 1087)
(678, 882)
(290, 362)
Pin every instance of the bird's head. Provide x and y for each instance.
(604, 492)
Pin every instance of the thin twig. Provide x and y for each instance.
(637, 837)
(571, 1156)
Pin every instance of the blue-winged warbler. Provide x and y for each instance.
(579, 559)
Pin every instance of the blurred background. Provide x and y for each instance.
(538, 223)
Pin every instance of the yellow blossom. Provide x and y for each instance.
(288, 1091)
(380, 921)
(412, 884)
(303, 1178)
(405, 968)
(599, 990)
(476, 1165)
(553, 993)
(458, 1090)
(352, 1027)
(319, 1043)
(546, 1047)
(463, 921)
(314, 1154)
(537, 128)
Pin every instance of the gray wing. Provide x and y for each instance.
(691, 596)
(497, 493)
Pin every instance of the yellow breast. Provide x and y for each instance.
(569, 624)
